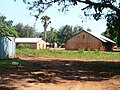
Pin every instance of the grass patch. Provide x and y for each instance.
(6, 63)
(68, 54)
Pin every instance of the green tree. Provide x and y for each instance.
(38, 34)
(52, 35)
(25, 30)
(19, 29)
(67, 31)
(113, 27)
(77, 29)
(97, 6)
(64, 33)
(6, 27)
(45, 21)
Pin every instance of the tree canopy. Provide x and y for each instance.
(6, 27)
(25, 30)
(52, 35)
(66, 32)
(45, 21)
(61, 35)
(98, 6)
(113, 28)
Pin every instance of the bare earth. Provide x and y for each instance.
(61, 74)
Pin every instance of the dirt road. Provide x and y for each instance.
(60, 74)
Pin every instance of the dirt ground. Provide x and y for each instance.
(60, 74)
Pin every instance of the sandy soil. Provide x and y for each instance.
(60, 74)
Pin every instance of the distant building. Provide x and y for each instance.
(34, 43)
(88, 40)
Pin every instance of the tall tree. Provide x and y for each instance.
(97, 6)
(113, 27)
(66, 32)
(77, 29)
(6, 27)
(52, 35)
(25, 30)
(46, 21)
(37, 34)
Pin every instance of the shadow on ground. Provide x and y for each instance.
(6, 88)
(54, 70)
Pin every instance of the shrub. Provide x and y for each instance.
(23, 46)
(81, 50)
(96, 51)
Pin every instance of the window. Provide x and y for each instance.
(83, 36)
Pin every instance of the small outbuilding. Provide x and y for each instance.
(34, 43)
(7, 47)
(89, 41)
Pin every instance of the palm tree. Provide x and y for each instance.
(46, 21)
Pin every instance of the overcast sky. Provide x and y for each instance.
(18, 12)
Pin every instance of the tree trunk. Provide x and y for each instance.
(45, 36)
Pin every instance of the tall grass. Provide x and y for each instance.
(68, 54)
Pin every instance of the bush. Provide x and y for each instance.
(23, 46)
(81, 50)
(96, 51)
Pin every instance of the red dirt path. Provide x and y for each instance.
(54, 76)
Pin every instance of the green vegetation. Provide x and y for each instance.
(7, 62)
(23, 46)
(6, 27)
(113, 28)
(80, 54)
(81, 50)
(45, 21)
(67, 31)
(25, 30)
(61, 35)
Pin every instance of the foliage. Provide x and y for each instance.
(23, 46)
(51, 35)
(70, 54)
(96, 51)
(97, 6)
(113, 27)
(66, 32)
(61, 35)
(77, 29)
(46, 21)
(6, 28)
(25, 30)
(7, 63)
(38, 34)
(81, 50)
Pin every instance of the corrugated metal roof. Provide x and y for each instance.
(100, 37)
(27, 40)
